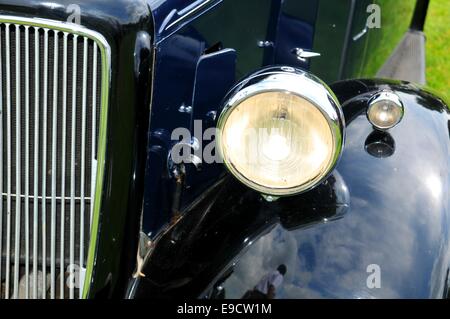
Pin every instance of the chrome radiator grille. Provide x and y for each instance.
(51, 95)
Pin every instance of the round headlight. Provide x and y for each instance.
(281, 131)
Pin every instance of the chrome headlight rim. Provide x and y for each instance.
(307, 87)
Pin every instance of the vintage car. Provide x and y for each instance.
(186, 148)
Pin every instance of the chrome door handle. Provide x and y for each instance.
(303, 55)
(358, 36)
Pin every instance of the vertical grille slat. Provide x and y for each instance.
(72, 158)
(50, 106)
(54, 150)
(18, 171)
(63, 169)
(83, 153)
(44, 166)
(8, 159)
(27, 161)
(1, 160)
(36, 162)
(94, 126)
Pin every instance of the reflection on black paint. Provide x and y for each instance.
(380, 144)
(396, 216)
(223, 225)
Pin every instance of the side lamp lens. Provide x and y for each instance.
(385, 110)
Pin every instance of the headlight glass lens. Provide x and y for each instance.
(277, 141)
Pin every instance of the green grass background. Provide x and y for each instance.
(437, 31)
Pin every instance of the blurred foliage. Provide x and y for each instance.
(395, 19)
(437, 31)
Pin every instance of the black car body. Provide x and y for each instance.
(134, 227)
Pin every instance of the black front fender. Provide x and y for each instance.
(378, 227)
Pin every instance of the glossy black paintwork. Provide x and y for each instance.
(320, 26)
(397, 215)
(143, 56)
(128, 28)
(127, 154)
(203, 60)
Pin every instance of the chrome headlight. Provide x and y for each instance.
(281, 131)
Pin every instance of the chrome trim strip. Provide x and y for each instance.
(94, 129)
(36, 162)
(72, 160)
(44, 165)
(63, 168)
(189, 11)
(83, 162)
(18, 172)
(105, 55)
(54, 150)
(27, 161)
(1, 158)
(348, 31)
(8, 156)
